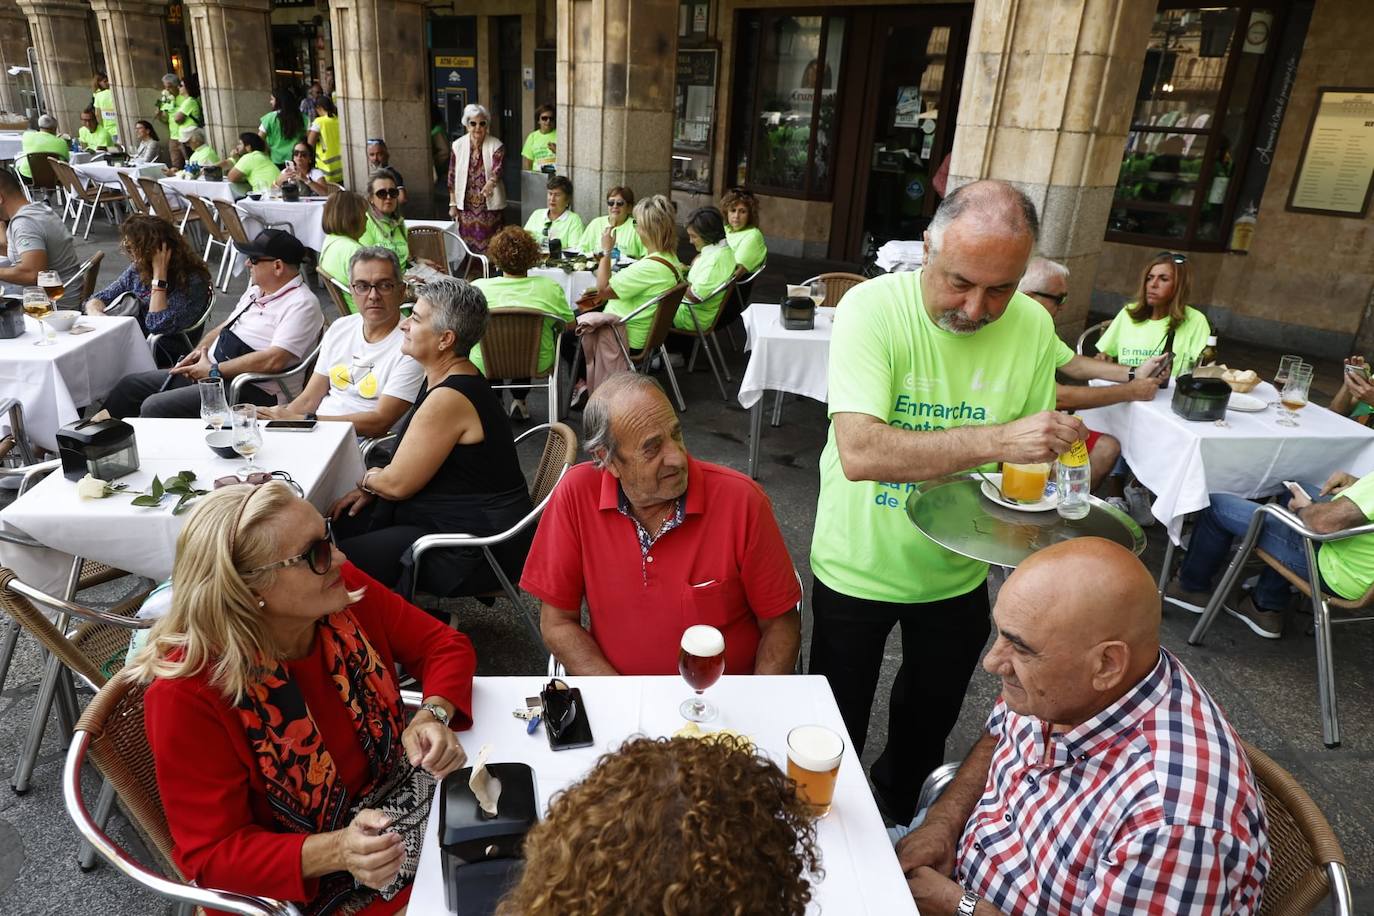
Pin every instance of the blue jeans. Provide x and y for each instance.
(1228, 518)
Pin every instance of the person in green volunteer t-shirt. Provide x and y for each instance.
(102, 100)
(541, 146)
(344, 221)
(713, 265)
(514, 251)
(43, 140)
(187, 116)
(93, 135)
(1346, 567)
(385, 224)
(932, 372)
(166, 106)
(1143, 328)
(282, 127)
(741, 211)
(556, 221)
(202, 153)
(620, 202)
(1355, 399)
(250, 164)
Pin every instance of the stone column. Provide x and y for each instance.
(134, 35)
(616, 66)
(233, 49)
(14, 43)
(1048, 94)
(379, 74)
(63, 43)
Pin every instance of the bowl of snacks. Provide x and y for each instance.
(1242, 381)
(62, 319)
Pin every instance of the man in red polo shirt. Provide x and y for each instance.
(656, 542)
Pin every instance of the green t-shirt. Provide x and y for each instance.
(636, 285)
(189, 106)
(95, 139)
(748, 246)
(889, 360)
(389, 234)
(334, 261)
(103, 103)
(1132, 342)
(206, 155)
(525, 292)
(1064, 354)
(568, 228)
(625, 237)
(278, 146)
(536, 148)
(257, 170)
(712, 267)
(40, 141)
(1348, 566)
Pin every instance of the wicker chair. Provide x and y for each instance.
(666, 304)
(510, 350)
(706, 335)
(836, 285)
(1089, 338)
(111, 731)
(1306, 861)
(427, 243)
(157, 200)
(215, 234)
(338, 292)
(137, 202)
(560, 448)
(81, 197)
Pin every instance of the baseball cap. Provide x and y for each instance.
(276, 244)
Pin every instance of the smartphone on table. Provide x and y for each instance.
(291, 426)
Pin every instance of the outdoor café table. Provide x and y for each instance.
(11, 144)
(1182, 461)
(210, 190)
(954, 513)
(797, 362)
(108, 175)
(861, 870)
(52, 383)
(303, 218)
(573, 282)
(325, 462)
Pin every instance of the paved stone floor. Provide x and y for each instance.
(1267, 687)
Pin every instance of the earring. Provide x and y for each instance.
(262, 603)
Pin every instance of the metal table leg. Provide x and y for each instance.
(755, 434)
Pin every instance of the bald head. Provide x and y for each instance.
(1092, 589)
(994, 206)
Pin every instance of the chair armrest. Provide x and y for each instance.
(429, 542)
(184, 893)
(77, 610)
(1288, 517)
(238, 382)
(556, 668)
(369, 445)
(412, 699)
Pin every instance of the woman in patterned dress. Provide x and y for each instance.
(478, 201)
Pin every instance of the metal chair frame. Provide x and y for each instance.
(43, 177)
(667, 303)
(706, 336)
(190, 332)
(161, 206)
(1089, 331)
(137, 202)
(301, 368)
(744, 290)
(1321, 602)
(469, 256)
(497, 370)
(80, 197)
(215, 234)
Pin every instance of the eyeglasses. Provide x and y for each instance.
(545, 118)
(477, 124)
(1057, 300)
(254, 260)
(387, 193)
(319, 555)
(615, 203)
(300, 152)
(362, 287)
(1174, 256)
(560, 709)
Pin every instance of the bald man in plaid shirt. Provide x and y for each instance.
(1108, 781)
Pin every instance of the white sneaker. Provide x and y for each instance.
(1119, 502)
(676, 360)
(518, 410)
(1138, 498)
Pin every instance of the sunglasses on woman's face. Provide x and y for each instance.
(477, 124)
(387, 193)
(545, 118)
(319, 555)
(615, 203)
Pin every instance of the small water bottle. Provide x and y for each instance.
(615, 259)
(1073, 481)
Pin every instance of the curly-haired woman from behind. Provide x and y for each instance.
(674, 826)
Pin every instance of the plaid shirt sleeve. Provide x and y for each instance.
(1178, 869)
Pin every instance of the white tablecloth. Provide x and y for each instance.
(11, 144)
(574, 283)
(797, 362)
(108, 175)
(326, 463)
(861, 870)
(304, 217)
(1182, 461)
(210, 190)
(53, 382)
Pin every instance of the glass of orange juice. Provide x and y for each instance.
(1024, 483)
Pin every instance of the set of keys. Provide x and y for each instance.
(532, 714)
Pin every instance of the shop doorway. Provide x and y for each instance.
(510, 123)
(902, 85)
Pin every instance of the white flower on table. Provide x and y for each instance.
(92, 488)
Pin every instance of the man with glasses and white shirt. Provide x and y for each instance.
(361, 376)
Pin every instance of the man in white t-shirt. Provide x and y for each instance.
(361, 375)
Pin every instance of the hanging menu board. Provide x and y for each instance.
(1336, 169)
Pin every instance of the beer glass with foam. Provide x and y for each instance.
(701, 663)
(813, 761)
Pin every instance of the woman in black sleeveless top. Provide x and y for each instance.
(455, 469)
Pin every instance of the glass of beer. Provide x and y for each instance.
(701, 663)
(51, 281)
(813, 762)
(1024, 483)
(1293, 397)
(37, 306)
(1286, 365)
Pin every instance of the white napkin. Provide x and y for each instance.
(798, 292)
(485, 787)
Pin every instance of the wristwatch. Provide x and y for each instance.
(967, 904)
(1130, 374)
(214, 371)
(159, 284)
(437, 712)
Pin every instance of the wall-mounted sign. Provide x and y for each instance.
(1335, 174)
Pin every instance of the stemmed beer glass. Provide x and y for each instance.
(247, 436)
(701, 663)
(214, 409)
(1293, 397)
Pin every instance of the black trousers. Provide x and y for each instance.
(941, 643)
(142, 395)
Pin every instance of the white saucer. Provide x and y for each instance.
(1048, 502)
(1246, 403)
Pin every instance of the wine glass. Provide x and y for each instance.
(701, 663)
(247, 436)
(817, 293)
(1286, 365)
(1294, 395)
(37, 306)
(214, 409)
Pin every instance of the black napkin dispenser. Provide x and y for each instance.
(290, 192)
(798, 313)
(212, 172)
(1200, 399)
(481, 856)
(11, 317)
(105, 449)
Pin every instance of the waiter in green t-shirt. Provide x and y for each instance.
(931, 372)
